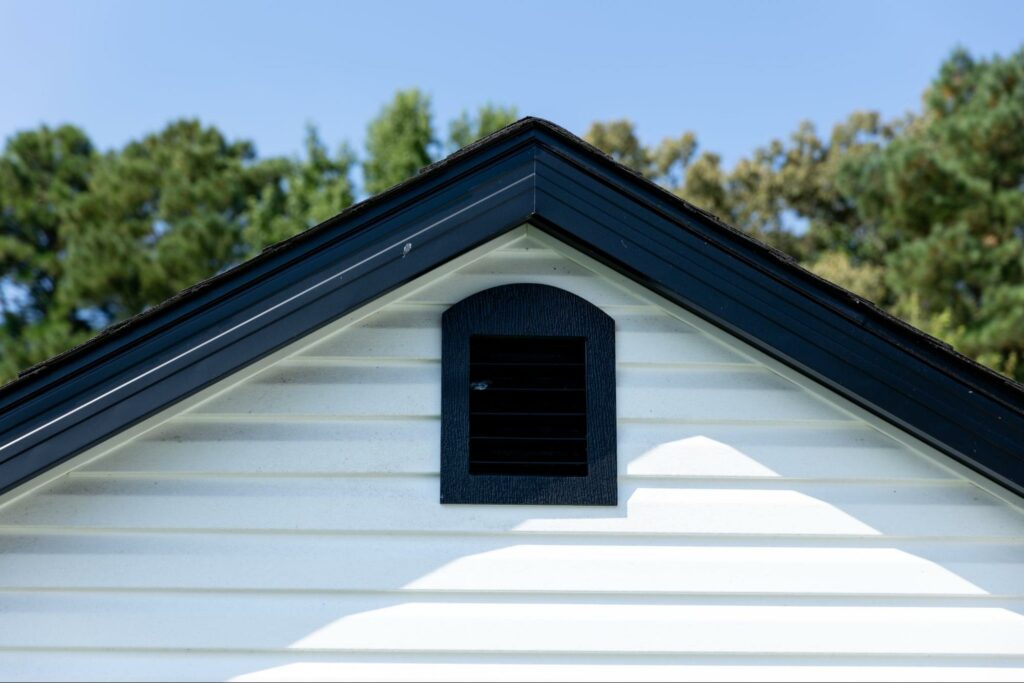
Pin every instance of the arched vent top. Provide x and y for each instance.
(528, 399)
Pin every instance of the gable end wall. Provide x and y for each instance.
(285, 524)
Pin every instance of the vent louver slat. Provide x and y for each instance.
(527, 406)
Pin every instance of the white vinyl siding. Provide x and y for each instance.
(286, 524)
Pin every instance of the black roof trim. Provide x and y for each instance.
(531, 171)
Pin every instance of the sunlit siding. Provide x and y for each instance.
(287, 525)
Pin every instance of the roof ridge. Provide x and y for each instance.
(533, 170)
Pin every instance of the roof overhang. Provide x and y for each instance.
(531, 172)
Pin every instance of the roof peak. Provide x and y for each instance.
(530, 171)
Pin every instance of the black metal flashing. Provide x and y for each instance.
(532, 171)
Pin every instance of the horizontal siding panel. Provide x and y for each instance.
(546, 268)
(502, 564)
(414, 332)
(253, 448)
(398, 331)
(289, 528)
(414, 389)
(311, 666)
(411, 504)
(528, 242)
(849, 453)
(390, 624)
(413, 447)
(660, 338)
(716, 395)
(388, 389)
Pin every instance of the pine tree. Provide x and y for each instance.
(399, 142)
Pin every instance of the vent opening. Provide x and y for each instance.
(527, 406)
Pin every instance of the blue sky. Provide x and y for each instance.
(737, 74)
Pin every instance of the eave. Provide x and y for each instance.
(530, 172)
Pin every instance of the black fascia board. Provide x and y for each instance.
(533, 172)
(761, 296)
(77, 400)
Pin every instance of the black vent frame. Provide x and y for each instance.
(528, 399)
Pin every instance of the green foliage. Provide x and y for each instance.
(161, 215)
(468, 129)
(310, 191)
(923, 215)
(42, 175)
(943, 204)
(89, 239)
(399, 141)
(619, 140)
(402, 139)
(865, 279)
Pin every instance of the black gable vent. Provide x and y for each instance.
(527, 406)
(527, 399)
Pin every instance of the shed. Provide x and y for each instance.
(525, 415)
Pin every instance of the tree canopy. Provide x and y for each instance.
(924, 215)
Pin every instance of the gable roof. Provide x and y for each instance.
(536, 172)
